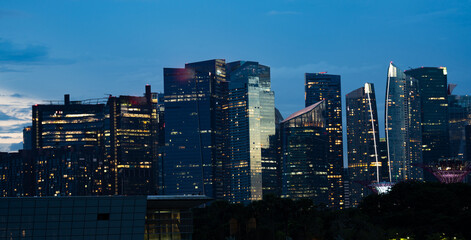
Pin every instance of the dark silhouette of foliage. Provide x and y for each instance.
(412, 209)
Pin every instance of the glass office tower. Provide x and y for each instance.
(305, 147)
(364, 162)
(460, 117)
(433, 89)
(67, 141)
(318, 87)
(131, 144)
(403, 126)
(251, 124)
(195, 128)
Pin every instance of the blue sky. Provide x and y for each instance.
(93, 48)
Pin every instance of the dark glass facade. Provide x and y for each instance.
(459, 116)
(103, 217)
(195, 144)
(433, 89)
(305, 146)
(364, 162)
(403, 126)
(251, 126)
(318, 87)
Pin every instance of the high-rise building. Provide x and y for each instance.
(271, 168)
(459, 116)
(318, 87)
(131, 144)
(27, 138)
(158, 109)
(403, 126)
(305, 147)
(251, 125)
(17, 174)
(383, 156)
(433, 89)
(68, 148)
(195, 128)
(68, 123)
(364, 162)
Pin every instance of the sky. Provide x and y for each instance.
(91, 49)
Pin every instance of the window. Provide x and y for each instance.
(103, 217)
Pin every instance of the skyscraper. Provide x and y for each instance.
(403, 126)
(433, 89)
(318, 87)
(364, 162)
(68, 148)
(305, 148)
(460, 116)
(251, 125)
(195, 128)
(131, 144)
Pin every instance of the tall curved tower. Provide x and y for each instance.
(403, 126)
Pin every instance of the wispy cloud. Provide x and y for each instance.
(11, 53)
(274, 12)
(15, 113)
(32, 54)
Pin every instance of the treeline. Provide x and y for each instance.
(411, 210)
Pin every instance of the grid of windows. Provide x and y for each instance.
(72, 218)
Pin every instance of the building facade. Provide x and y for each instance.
(433, 89)
(363, 141)
(403, 126)
(251, 126)
(318, 87)
(459, 107)
(98, 217)
(67, 141)
(305, 147)
(130, 134)
(195, 121)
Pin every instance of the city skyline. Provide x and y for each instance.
(51, 49)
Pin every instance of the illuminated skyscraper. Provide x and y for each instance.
(68, 148)
(251, 125)
(403, 126)
(433, 89)
(364, 162)
(318, 87)
(305, 148)
(195, 128)
(131, 144)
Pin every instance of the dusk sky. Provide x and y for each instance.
(90, 49)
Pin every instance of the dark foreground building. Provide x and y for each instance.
(103, 217)
(318, 87)
(363, 140)
(433, 89)
(305, 145)
(194, 128)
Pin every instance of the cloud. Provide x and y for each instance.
(274, 12)
(15, 114)
(15, 54)
(11, 53)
